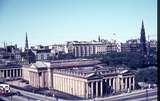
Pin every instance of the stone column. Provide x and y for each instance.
(20, 72)
(79, 52)
(14, 75)
(129, 83)
(43, 80)
(133, 83)
(90, 50)
(122, 85)
(49, 79)
(67, 85)
(86, 89)
(6, 73)
(75, 51)
(64, 84)
(125, 83)
(3, 74)
(109, 82)
(83, 51)
(101, 88)
(74, 87)
(92, 89)
(97, 88)
(17, 72)
(87, 51)
(31, 78)
(38, 78)
(117, 84)
(114, 84)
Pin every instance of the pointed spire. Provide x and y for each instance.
(143, 39)
(99, 39)
(26, 42)
(142, 24)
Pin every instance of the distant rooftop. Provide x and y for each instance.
(8, 64)
(74, 63)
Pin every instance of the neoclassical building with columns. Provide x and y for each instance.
(9, 71)
(85, 78)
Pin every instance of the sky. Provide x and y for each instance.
(57, 21)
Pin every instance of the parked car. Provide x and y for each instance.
(12, 93)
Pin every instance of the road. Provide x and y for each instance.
(140, 95)
(27, 96)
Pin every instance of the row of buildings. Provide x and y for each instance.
(77, 49)
(80, 49)
(85, 78)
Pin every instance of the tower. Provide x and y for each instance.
(99, 39)
(143, 47)
(26, 42)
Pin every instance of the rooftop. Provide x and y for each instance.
(93, 72)
(74, 63)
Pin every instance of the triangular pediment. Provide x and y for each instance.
(94, 76)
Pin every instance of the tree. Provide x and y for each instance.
(148, 75)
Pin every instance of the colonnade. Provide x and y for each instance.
(100, 87)
(85, 50)
(10, 73)
(89, 49)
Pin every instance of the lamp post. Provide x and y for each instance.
(146, 94)
(11, 97)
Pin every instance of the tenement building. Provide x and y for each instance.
(9, 70)
(85, 78)
(132, 45)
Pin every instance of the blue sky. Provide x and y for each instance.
(58, 21)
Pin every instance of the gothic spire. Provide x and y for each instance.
(99, 39)
(143, 40)
(26, 42)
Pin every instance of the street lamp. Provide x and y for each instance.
(146, 94)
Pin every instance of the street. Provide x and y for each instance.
(138, 95)
(27, 96)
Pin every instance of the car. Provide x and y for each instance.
(18, 93)
(12, 93)
(9, 94)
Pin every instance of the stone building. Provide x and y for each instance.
(9, 70)
(132, 45)
(42, 52)
(85, 78)
(58, 48)
(11, 52)
(85, 49)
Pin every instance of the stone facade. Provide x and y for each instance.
(85, 49)
(8, 72)
(83, 78)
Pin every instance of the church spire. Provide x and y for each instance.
(99, 39)
(26, 42)
(143, 40)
